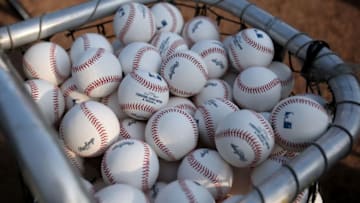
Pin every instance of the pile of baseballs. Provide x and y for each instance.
(172, 111)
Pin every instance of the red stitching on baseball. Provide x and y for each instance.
(146, 168)
(278, 153)
(55, 100)
(227, 90)
(259, 89)
(71, 158)
(102, 81)
(91, 61)
(287, 81)
(123, 132)
(128, 23)
(105, 100)
(96, 123)
(206, 172)
(213, 50)
(186, 106)
(156, 39)
(278, 159)
(69, 90)
(299, 197)
(188, 193)
(30, 69)
(139, 54)
(53, 65)
(174, 46)
(173, 16)
(235, 57)
(107, 171)
(229, 104)
(86, 41)
(137, 107)
(255, 44)
(148, 84)
(264, 123)
(34, 90)
(152, 23)
(276, 111)
(248, 138)
(209, 124)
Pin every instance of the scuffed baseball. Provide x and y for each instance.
(112, 101)
(89, 128)
(71, 94)
(172, 133)
(47, 61)
(134, 22)
(214, 88)
(182, 103)
(139, 56)
(132, 129)
(142, 93)
(168, 17)
(181, 191)
(120, 193)
(131, 162)
(206, 167)
(48, 98)
(285, 75)
(168, 43)
(200, 28)
(244, 138)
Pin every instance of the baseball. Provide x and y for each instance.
(200, 28)
(130, 162)
(244, 138)
(214, 55)
(180, 68)
(139, 56)
(97, 73)
(75, 160)
(142, 93)
(298, 121)
(89, 128)
(168, 17)
(182, 103)
(257, 88)
(134, 22)
(120, 193)
(319, 99)
(164, 129)
(86, 41)
(71, 93)
(132, 129)
(154, 191)
(181, 191)
(47, 61)
(251, 47)
(206, 167)
(168, 170)
(209, 115)
(214, 88)
(168, 43)
(285, 75)
(234, 199)
(112, 102)
(49, 99)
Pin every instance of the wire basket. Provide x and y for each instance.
(317, 70)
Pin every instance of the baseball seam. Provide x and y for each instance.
(156, 39)
(173, 16)
(107, 172)
(68, 90)
(209, 124)
(72, 158)
(188, 193)
(128, 23)
(287, 81)
(100, 82)
(159, 88)
(52, 60)
(264, 123)
(139, 54)
(152, 23)
(105, 100)
(248, 138)
(86, 41)
(186, 107)
(30, 69)
(34, 90)
(99, 127)
(174, 46)
(235, 58)
(123, 131)
(259, 89)
(87, 64)
(229, 104)
(226, 89)
(206, 172)
(55, 100)
(137, 107)
(213, 50)
(146, 168)
(255, 44)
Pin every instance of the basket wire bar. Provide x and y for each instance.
(283, 186)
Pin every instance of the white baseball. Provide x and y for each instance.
(154, 191)
(209, 115)
(206, 167)
(168, 170)
(182, 103)
(130, 162)
(120, 193)
(278, 150)
(214, 88)
(214, 55)
(251, 47)
(48, 97)
(47, 61)
(164, 129)
(168, 43)
(298, 121)
(257, 88)
(132, 129)
(285, 75)
(321, 100)
(112, 101)
(86, 41)
(139, 56)
(75, 160)
(142, 93)
(168, 17)
(244, 138)
(181, 191)
(263, 171)
(200, 28)
(234, 199)
(71, 93)
(180, 68)
(97, 73)
(89, 128)
(134, 22)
